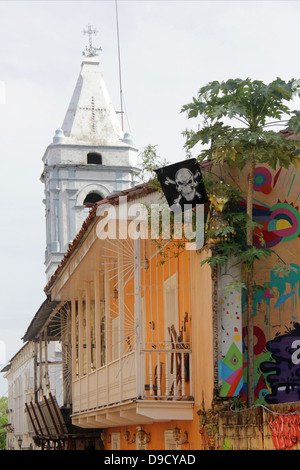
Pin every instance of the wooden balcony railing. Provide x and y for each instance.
(167, 371)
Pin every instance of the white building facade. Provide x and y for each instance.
(22, 375)
(90, 157)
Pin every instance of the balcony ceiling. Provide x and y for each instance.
(137, 412)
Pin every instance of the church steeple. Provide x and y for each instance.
(91, 116)
(89, 159)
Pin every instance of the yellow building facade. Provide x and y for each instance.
(135, 335)
(159, 347)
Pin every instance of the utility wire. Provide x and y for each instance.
(119, 57)
(270, 411)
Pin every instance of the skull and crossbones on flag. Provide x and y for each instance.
(182, 184)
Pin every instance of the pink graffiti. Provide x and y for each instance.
(262, 180)
(285, 431)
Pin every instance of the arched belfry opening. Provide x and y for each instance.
(94, 158)
(91, 199)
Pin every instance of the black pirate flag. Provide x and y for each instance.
(182, 184)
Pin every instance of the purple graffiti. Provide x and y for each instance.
(284, 373)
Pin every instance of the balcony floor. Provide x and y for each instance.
(135, 412)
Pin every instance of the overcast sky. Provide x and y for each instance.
(169, 49)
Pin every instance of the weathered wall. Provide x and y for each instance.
(274, 428)
(202, 329)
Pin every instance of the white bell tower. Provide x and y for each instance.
(90, 157)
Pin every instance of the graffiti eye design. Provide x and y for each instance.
(285, 221)
(262, 180)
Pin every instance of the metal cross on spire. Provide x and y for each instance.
(90, 51)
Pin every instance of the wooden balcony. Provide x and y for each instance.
(154, 384)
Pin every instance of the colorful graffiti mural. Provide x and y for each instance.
(278, 223)
(280, 291)
(262, 180)
(261, 355)
(285, 430)
(270, 362)
(276, 304)
(283, 372)
(232, 372)
(231, 365)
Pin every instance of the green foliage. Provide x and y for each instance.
(252, 104)
(237, 404)
(3, 422)
(254, 107)
(150, 161)
(236, 246)
(234, 285)
(284, 270)
(223, 231)
(227, 444)
(246, 254)
(251, 254)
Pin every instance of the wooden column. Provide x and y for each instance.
(137, 314)
(73, 338)
(40, 364)
(80, 335)
(35, 372)
(88, 326)
(97, 318)
(46, 370)
(107, 338)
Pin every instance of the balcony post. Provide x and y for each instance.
(88, 325)
(137, 315)
(80, 335)
(74, 340)
(97, 318)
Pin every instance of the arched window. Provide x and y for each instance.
(91, 199)
(94, 157)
